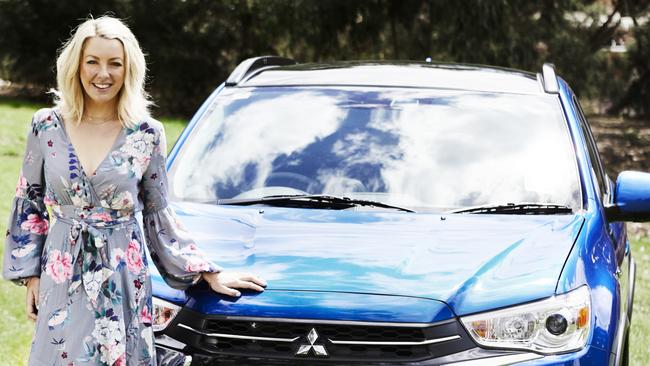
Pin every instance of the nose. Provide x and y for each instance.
(103, 71)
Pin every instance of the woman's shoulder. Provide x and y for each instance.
(45, 119)
(149, 125)
(148, 129)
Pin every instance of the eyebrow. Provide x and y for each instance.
(110, 59)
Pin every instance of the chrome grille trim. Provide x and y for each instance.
(235, 336)
(335, 322)
(422, 343)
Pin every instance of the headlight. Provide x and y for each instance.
(163, 313)
(555, 325)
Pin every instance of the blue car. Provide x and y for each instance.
(405, 213)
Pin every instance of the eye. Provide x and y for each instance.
(116, 64)
(91, 62)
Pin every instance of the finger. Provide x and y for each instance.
(255, 279)
(249, 285)
(228, 291)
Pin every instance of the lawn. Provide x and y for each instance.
(16, 331)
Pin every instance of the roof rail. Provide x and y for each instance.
(549, 79)
(250, 65)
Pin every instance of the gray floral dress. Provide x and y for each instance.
(95, 305)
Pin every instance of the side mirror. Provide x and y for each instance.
(631, 198)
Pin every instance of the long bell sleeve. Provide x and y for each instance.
(177, 257)
(28, 223)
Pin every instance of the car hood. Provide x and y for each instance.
(470, 262)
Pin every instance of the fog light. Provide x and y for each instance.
(556, 324)
(163, 313)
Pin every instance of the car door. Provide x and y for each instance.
(617, 235)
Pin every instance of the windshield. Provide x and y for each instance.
(425, 149)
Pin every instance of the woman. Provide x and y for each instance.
(97, 159)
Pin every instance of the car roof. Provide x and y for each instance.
(398, 74)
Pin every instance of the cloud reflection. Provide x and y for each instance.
(423, 149)
(256, 134)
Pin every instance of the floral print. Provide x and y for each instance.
(95, 303)
(138, 149)
(35, 224)
(108, 333)
(59, 266)
(21, 187)
(133, 257)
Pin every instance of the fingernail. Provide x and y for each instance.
(237, 294)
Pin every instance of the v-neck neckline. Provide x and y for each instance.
(74, 149)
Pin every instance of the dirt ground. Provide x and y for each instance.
(624, 144)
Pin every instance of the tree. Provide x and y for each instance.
(192, 45)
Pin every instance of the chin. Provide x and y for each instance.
(102, 98)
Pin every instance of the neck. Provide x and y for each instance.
(94, 109)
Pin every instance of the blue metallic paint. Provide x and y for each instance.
(322, 306)
(471, 263)
(162, 290)
(632, 195)
(593, 260)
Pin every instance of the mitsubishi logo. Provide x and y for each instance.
(319, 350)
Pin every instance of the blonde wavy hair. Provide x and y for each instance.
(133, 103)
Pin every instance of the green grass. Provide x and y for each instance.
(16, 330)
(15, 116)
(640, 331)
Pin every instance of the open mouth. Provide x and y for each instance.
(101, 86)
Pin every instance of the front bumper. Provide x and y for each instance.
(168, 352)
(473, 357)
(198, 339)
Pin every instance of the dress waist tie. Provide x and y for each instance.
(88, 244)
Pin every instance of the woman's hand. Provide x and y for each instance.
(226, 282)
(32, 297)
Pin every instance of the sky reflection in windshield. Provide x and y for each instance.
(424, 149)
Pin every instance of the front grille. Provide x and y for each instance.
(331, 341)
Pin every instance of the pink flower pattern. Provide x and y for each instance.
(196, 264)
(101, 216)
(21, 187)
(59, 266)
(145, 315)
(49, 201)
(35, 224)
(133, 257)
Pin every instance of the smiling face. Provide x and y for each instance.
(102, 70)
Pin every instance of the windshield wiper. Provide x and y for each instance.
(309, 200)
(519, 209)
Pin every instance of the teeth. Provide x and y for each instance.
(102, 86)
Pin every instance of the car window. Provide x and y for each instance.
(592, 149)
(426, 149)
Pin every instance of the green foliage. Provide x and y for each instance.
(32, 31)
(193, 45)
(636, 99)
